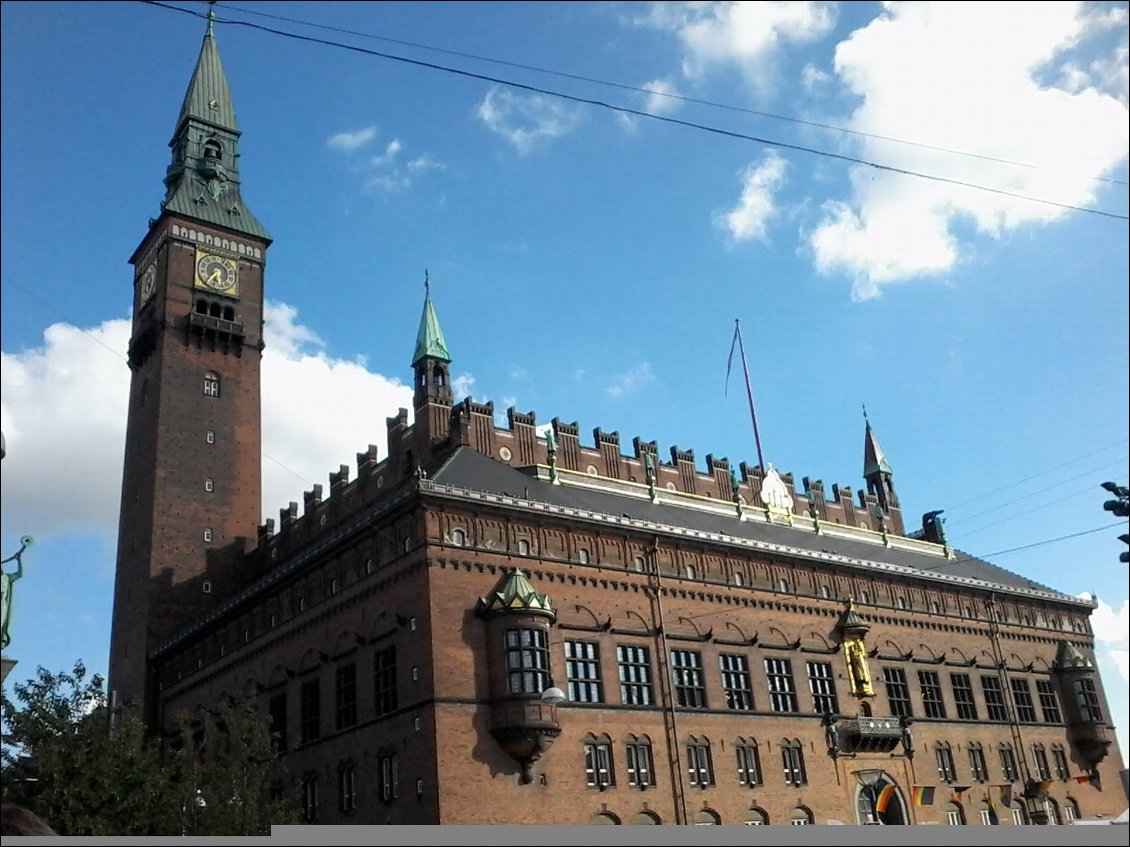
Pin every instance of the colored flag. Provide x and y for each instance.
(923, 795)
(884, 799)
(958, 790)
(1006, 795)
(1083, 779)
(994, 819)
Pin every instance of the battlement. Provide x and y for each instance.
(519, 445)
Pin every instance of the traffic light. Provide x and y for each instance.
(1121, 506)
(1124, 556)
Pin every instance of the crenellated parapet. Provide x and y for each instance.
(518, 444)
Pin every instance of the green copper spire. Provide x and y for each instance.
(430, 343)
(202, 182)
(208, 98)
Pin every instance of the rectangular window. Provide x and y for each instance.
(641, 768)
(210, 436)
(1008, 764)
(1049, 703)
(1022, 697)
(978, 767)
(782, 694)
(735, 681)
(635, 675)
(208, 534)
(686, 674)
(345, 695)
(792, 758)
(932, 703)
(582, 672)
(749, 765)
(527, 661)
(823, 687)
(898, 692)
(700, 767)
(943, 757)
(598, 765)
(211, 385)
(953, 818)
(1040, 762)
(276, 706)
(310, 798)
(986, 819)
(310, 705)
(384, 680)
(1088, 701)
(963, 696)
(390, 778)
(1018, 817)
(346, 789)
(1060, 759)
(209, 485)
(994, 698)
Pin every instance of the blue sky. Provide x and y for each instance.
(588, 263)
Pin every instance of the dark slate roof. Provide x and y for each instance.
(466, 468)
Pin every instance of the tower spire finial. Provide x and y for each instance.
(427, 285)
(865, 413)
(211, 17)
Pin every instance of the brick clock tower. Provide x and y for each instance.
(191, 484)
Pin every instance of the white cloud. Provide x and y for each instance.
(812, 78)
(526, 120)
(461, 386)
(756, 206)
(663, 97)
(70, 396)
(1109, 625)
(389, 155)
(630, 380)
(964, 77)
(424, 163)
(347, 142)
(745, 35)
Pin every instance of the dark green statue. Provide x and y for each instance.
(7, 582)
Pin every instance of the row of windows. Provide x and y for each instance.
(529, 672)
(461, 537)
(385, 700)
(1010, 772)
(388, 787)
(639, 764)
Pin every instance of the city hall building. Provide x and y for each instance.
(518, 625)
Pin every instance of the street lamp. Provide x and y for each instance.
(552, 695)
(869, 780)
(198, 804)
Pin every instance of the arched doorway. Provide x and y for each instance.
(879, 800)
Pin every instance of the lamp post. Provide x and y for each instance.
(196, 805)
(869, 780)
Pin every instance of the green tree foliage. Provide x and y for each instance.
(88, 772)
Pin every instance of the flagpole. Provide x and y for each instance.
(749, 394)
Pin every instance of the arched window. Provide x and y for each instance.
(792, 758)
(211, 384)
(583, 556)
(458, 537)
(213, 149)
(707, 817)
(800, 816)
(690, 572)
(647, 818)
(756, 816)
(606, 818)
(953, 815)
(523, 547)
(739, 580)
(438, 376)
(637, 562)
(639, 762)
(598, 762)
(824, 592)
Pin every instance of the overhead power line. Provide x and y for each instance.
(669, 95)
(643, 114)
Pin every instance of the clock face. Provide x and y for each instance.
(216, 273)
(147, 284)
